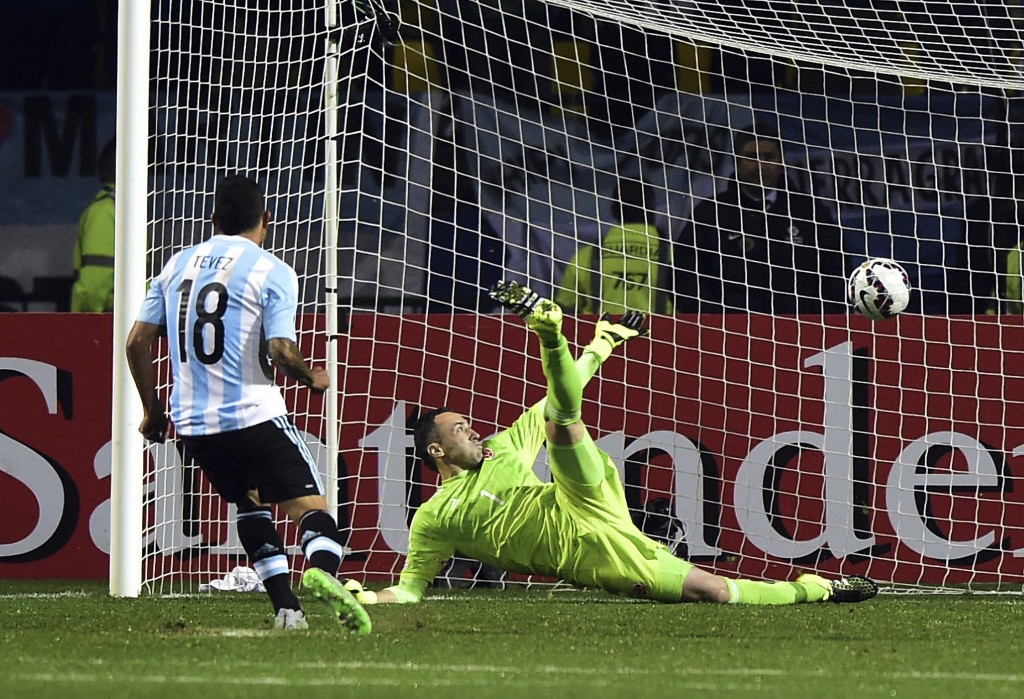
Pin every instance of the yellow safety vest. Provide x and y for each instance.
(93, 290)
(1014, 301)
(628, 274)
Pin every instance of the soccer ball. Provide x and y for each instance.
(879, 288)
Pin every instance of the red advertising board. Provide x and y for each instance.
(55, 387)
(782, 443)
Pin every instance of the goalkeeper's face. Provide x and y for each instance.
(459, 442)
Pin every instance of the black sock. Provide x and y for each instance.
(321, 541)
(265, 548)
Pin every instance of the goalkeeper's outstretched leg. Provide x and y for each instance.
(566, 378)
(703, 586)
(565, 390)
(573, 454)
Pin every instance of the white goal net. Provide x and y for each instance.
(724, 164)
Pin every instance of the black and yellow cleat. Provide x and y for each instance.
(852, 588)
(515, 297)
(542, 315)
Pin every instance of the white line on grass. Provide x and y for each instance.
(463, 675)
(647, 671)
(362, 681)
(470, 675)
(44, 595)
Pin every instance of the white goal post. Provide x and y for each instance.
(126, 528)
(406, 172)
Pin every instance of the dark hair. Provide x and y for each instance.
(106, 162)
(632, 201)
(239, 204)
(425, 433)
(755, 134)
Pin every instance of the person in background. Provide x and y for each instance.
(93, 287)
(1012, 288)
(757, 246)
(627, 270)
(990, 282)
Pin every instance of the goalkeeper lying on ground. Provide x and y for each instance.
(492, 507)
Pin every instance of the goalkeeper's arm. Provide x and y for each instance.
(405, 592)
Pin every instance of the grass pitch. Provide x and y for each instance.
(71, 640)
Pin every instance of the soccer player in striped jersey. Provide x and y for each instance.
(228, 309)
(491, 507)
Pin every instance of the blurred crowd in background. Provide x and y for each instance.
(755, 228)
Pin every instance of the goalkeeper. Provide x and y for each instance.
(492, 507)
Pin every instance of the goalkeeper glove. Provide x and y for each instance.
(362, 595)
(608, 334)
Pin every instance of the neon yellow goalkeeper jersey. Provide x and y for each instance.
(503, 515)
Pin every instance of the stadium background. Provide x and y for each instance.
(55, 114)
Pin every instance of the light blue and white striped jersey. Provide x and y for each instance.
(221, 301)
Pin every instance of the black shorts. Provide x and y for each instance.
(270, 457)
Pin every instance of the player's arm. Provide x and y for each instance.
(151, 324)
(288, 358)
(280, 303)
(608, 334)
(611, 334)
(139, 350)
(527, 434)
(401, 593)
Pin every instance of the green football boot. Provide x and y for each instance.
(329, 590)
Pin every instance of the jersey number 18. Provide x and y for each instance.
(204, 317)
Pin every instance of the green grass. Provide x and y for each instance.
(70, 640)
